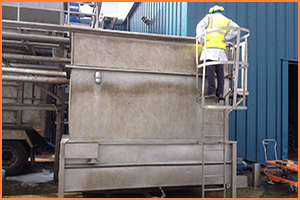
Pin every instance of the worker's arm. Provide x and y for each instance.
(232, 33)
(201, 26)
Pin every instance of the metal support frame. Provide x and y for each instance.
(235, 63)
(94, 16)
(17, 73)
(48, 92)
(61, 175)
(20, 96)
(59, 129)
(18, 107)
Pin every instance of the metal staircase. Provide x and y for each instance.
(234, 99)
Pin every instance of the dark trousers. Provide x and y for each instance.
(211, 88)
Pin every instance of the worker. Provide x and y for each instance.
(215, 47)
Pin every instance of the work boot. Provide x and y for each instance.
(220, 96)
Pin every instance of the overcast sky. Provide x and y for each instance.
(123, 9)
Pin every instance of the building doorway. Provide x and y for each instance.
(292, 110)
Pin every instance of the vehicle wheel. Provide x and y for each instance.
(14, 157)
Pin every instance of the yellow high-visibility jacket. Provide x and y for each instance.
(215, 39)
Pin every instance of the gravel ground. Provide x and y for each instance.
(36, 182)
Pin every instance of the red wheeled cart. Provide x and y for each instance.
(286, 170)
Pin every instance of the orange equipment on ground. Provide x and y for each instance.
(286, 170)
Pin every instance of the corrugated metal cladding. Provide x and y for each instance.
(166, 18)
(273, 41)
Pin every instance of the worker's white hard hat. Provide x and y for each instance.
(216, 8)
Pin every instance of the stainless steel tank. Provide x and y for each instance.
(133, 116)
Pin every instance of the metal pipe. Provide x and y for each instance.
(24, 98)
(256, 175)
(35, 38)
(114, 33)
(15, 42)
(34, 66)
(68, 13)
(30, 71)
(16, 107)
(80, 13)
(18, 11)
(35, 79)
(35, 58)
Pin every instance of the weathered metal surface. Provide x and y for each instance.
(144, 116)
(133, 106)
(142, 164)
(129, 53)
(82, 150)
(138, 152)
(92, 179)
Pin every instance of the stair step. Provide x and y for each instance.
(214, 123)
(215, 142)
(214, 189)
(214, 176)
(215, 162)
(214, 136)
(213, 149)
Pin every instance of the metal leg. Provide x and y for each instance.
(61, 180)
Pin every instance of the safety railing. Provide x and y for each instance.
(94, 16)
(237, 52)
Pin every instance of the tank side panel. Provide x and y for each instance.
(133, 106)
(93, 179)
(128, 53)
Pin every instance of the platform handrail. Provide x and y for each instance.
(239, 42)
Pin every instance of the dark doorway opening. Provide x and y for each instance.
(293, 111)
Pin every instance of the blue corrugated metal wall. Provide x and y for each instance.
(274, 36)
(166, 18)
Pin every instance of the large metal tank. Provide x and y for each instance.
(134, 118)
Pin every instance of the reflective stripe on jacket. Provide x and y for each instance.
(214, 38)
